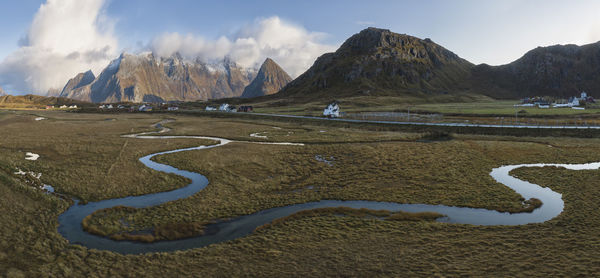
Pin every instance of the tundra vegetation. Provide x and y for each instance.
(83, 155)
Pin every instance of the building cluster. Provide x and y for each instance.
(546, 102)
(62, 107)
(146, 107)
(229, 108)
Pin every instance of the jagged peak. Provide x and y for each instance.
(371, 38)
(89, 74)
(270, 67)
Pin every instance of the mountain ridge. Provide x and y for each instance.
(380, 62)
(146, 78)
(373, 62)
(557, 70)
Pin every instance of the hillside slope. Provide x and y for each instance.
(559, 70)
(35, 101)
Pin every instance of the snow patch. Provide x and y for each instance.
(257, 135)
(40, 118)
(32, 156)
(33, 174)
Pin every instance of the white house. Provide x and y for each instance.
(332, 110)
(210, 108)
(224, 107)
(173, 108)
(73, 107)
(63, 106)
(145, 108)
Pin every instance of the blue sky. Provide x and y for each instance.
(481, 31)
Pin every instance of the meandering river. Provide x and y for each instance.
(70, 221)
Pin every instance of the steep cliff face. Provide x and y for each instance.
(80, 80)
(269, 80)
(560, 70)
(380, 62)
(146, 78)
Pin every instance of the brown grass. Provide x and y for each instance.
(352, 212)
(319, 246)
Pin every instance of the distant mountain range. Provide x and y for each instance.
(146, 78)
(374, 62)
(2, 92)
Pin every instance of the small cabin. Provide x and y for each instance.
(332, 110)
(245, 108)
(210, 108)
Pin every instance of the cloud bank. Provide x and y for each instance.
(66, 37)
(291, 46)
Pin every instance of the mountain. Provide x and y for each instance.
(146, 78)
(53, 92)
(380, 62)
(559, 70)
(269, 80)
(80, 80)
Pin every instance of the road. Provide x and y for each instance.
(432, 124)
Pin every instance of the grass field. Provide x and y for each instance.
(83, 155)
(498, 107)
(476, 106)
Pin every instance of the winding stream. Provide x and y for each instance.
(70, 220)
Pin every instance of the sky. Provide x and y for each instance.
(43, 43)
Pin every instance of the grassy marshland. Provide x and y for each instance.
(451, 172)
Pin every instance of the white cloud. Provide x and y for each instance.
(291, 46)
(66, 37)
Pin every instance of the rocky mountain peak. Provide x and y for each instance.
(80, 80)
(378, 61)
(269, 80)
